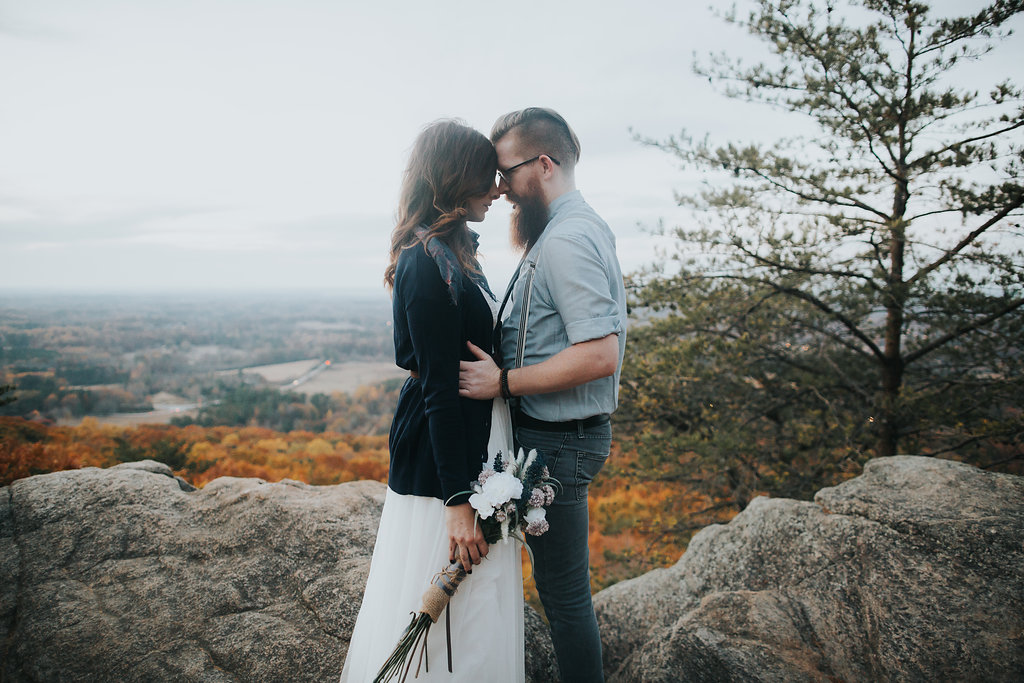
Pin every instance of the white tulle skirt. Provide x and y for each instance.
(486, 612)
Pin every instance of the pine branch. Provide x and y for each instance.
(1004, 461)
(989, 18)
(936, 212)
(814, 301)
(1013, 305)
(966, 241)
(924, 160)
(838, 339)
(791, 268)
(834, 201)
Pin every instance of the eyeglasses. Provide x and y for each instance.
(507, 173)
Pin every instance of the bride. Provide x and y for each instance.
(439, 441)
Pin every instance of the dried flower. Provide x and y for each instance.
(538, 528)
(537, 498)
(549, 493)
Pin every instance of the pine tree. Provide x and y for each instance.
(856, 292)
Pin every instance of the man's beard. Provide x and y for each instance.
(529, 218)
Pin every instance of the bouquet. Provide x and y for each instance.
(503, 512)
(500, 505)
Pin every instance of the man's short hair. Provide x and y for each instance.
(540, 130)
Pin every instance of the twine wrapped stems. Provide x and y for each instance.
(435, 600)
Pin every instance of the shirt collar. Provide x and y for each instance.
(563, 201)
(561, 204)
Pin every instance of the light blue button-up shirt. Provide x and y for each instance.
(577, 295)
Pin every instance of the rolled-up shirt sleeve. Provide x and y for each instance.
(581, 292)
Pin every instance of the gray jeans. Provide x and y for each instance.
(562, 556)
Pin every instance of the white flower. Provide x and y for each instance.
(500, 488)
(482, 505)
(535, 515)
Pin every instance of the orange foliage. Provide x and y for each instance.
(26, 449)
(637, 525)
(198, 454)
(24, 460)
(234, 468)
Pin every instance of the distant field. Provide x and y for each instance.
(341, 377)
(279, 373)
(344, 377)
(347, 377)
(131, 419)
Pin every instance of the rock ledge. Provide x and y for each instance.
(132, 574)
(913, 571)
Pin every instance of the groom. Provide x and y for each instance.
(562, 347)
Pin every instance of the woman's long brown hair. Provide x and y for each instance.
(450, 163)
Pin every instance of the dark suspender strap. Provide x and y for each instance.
(508, 290)
(496, 332)
(525, 314)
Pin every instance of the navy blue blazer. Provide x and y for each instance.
(438, 440)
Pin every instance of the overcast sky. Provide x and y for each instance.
(244, 145)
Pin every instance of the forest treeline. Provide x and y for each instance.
(367, 410)
(197, 454)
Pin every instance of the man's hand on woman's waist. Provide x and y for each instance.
(578, 364)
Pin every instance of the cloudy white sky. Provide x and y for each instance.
(257, 145)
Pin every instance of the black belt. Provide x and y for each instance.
(521, 419)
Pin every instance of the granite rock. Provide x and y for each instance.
(131, 574)
(913, 571)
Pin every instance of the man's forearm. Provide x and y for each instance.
(571, 367)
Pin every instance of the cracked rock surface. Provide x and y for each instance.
(130, 574)
(913, 571)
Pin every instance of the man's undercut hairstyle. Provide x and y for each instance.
(540, 130)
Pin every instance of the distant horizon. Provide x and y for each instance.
(198, 292)
(298, 301)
